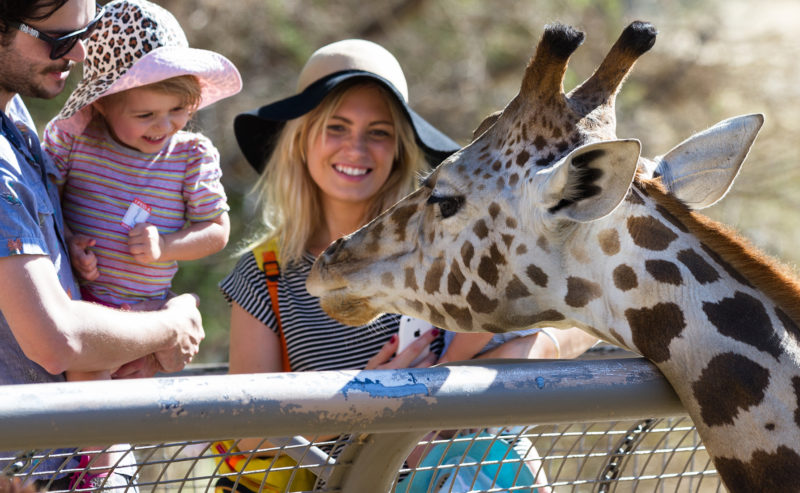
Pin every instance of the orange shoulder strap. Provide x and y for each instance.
(267, 259)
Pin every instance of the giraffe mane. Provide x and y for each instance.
(777, 280)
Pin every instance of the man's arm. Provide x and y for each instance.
(63, 334)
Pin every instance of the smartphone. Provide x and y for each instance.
(410, 330)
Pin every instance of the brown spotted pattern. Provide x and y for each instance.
(650, 233)
(581, 291)
(721, 397)
(654, 328)
(703, 272)
(664, 271)
(745, 319)
(764, 472)
(609, 241)
(625, 278)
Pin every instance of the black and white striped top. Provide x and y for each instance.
(314, 340)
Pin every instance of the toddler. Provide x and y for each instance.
(139, 193)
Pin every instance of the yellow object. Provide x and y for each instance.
(279, 471)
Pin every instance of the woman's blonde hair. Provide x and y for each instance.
(289, 199)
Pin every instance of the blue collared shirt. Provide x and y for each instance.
(30, 224)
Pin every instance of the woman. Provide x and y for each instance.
(332, 157)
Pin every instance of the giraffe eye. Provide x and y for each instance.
(448, 206)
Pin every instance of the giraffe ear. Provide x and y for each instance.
(592, 180)
(701, 169)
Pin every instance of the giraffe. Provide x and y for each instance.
(548, 219)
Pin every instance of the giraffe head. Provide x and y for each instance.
(478, 246)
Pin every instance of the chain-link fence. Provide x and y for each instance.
(547, 426)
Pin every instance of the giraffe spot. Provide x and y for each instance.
(650, 233)
(770, 426)
(387, 279)
(487, 270)
(492, 328)
(400, 217)
(494, 210)
(702, 271)
(511, 222)
(764, 471)
(522, 249)
(609, 241)
(455, 279)
(415, 305)
(539, 142)
(375, 235)
(789, 325)
(513, 180)
(497, 165)
(581, 291)
(726, 266)
(796, 386)
(435, 316)
(562, 146)
(524, 129)
(516, 289)
(479, 302)
(545, 160)
(535, 318)
(625, 278)
(522, 157)
(664, 271)
(654, 328)
(467, 252)
(410, 279)
(500, 183)
(480, 229)
(543, 244)
(434, 276)
(672, 219)
(633, 198)
(745, 319)
(497, 257)
(536, 275)
(461, 316)
(728, 383)
(507, 240)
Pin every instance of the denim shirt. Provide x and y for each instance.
(30, 224)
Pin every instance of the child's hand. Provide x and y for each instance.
(82, 258)
(145, 244)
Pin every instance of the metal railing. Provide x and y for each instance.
(595, 425)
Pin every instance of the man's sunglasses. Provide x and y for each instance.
(63, 44)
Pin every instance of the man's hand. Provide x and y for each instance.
(189, 327)
(82, 258)
(145, 244)
(144, 367)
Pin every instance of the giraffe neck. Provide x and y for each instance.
(726, 338)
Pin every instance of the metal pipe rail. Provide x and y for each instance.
(494, 393)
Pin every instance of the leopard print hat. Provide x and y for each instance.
(139, 43)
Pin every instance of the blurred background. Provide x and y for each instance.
(713, 59)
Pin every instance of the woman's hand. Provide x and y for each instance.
(384, 359)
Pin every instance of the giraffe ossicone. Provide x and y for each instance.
(547, 218)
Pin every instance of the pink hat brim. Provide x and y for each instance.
(218, 77)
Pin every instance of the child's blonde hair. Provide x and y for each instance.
(187, 87)
(287, 196)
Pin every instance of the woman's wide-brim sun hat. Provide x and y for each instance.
(138, 43)
(256, 131)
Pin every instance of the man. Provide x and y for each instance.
(44, 328)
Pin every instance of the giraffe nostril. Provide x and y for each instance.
(333, 248)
